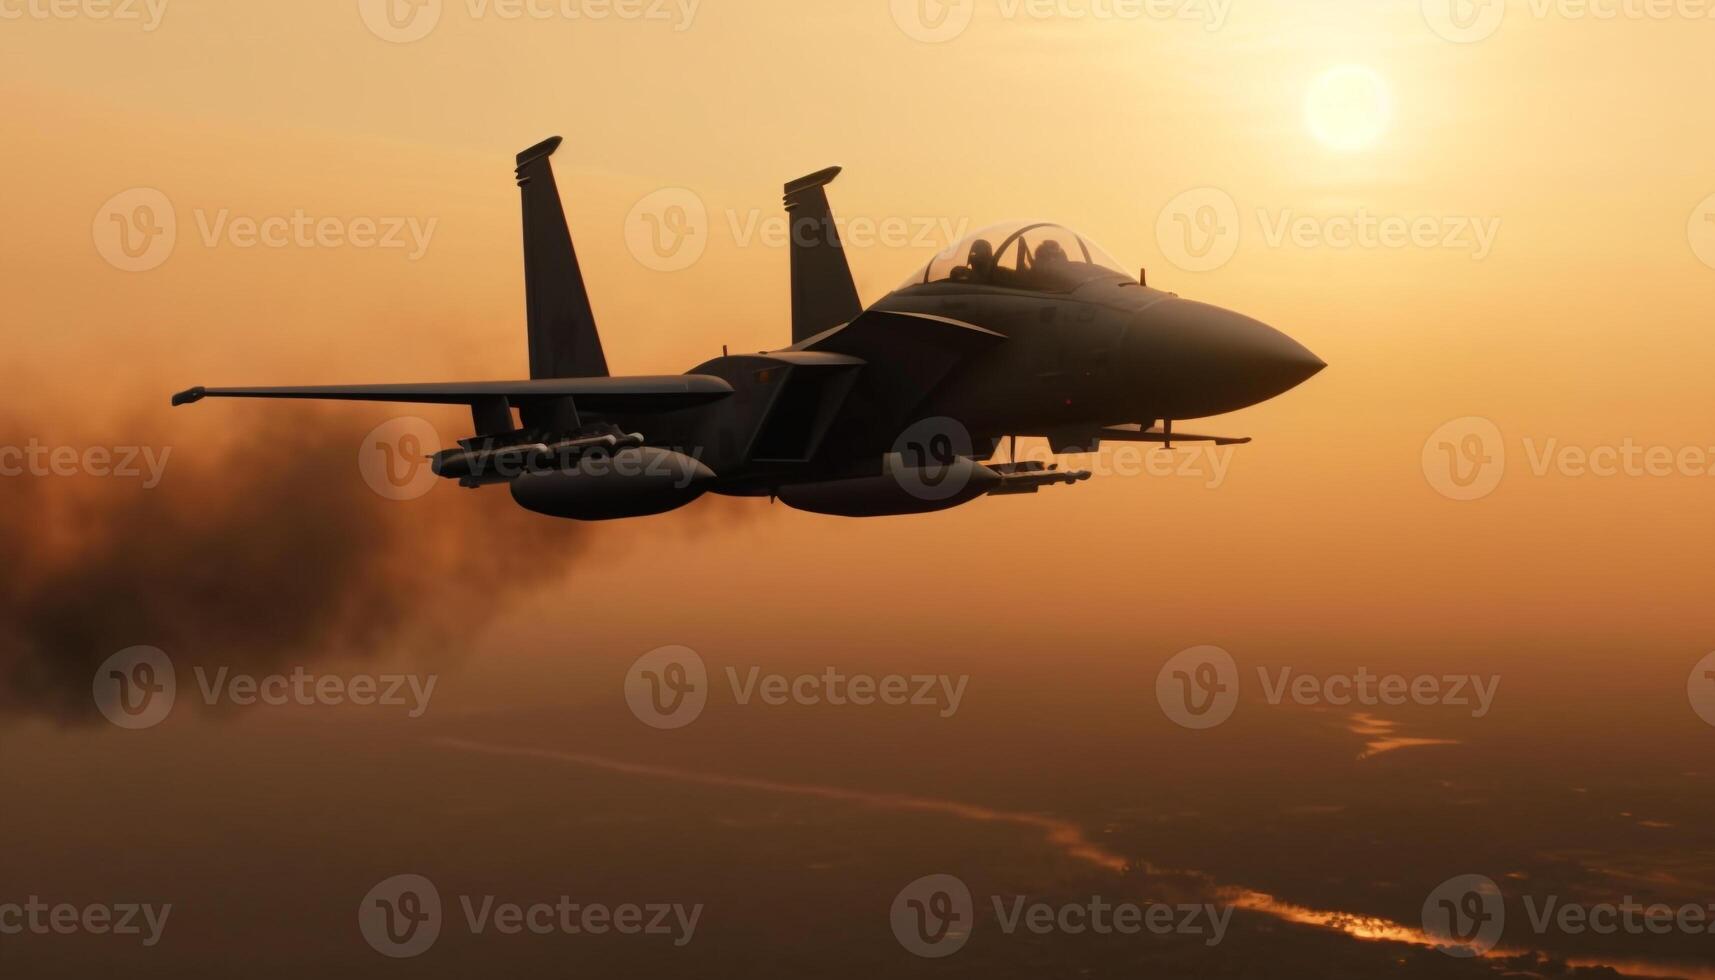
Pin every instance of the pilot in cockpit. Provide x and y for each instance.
(980, 263)
(1050, 266)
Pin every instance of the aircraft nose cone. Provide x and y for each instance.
(1277, 360)
(1204, 360)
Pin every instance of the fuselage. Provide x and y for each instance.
(1107, 352)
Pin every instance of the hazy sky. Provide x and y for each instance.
(1574, 140)
(1492, 221)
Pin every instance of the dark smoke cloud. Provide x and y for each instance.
(262, 555)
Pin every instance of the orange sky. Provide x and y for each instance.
(1589, 322)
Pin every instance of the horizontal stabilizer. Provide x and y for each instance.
(644, 394)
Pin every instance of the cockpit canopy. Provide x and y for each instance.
(1037, 256)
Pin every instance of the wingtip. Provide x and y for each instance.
(190, 396)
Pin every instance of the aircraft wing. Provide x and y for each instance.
(643, 394)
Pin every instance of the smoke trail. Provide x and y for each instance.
(268, 552)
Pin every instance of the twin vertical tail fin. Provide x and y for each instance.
(564, 342)
(563, 338)
(823, 294)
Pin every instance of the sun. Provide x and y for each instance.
(1348, 108)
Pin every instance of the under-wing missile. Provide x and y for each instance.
(1031, 476)
(502, 464)
(462, 464)
(1164, 436)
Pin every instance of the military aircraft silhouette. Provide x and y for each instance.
(1023, 329)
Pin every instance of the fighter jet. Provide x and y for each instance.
(1026, 329)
